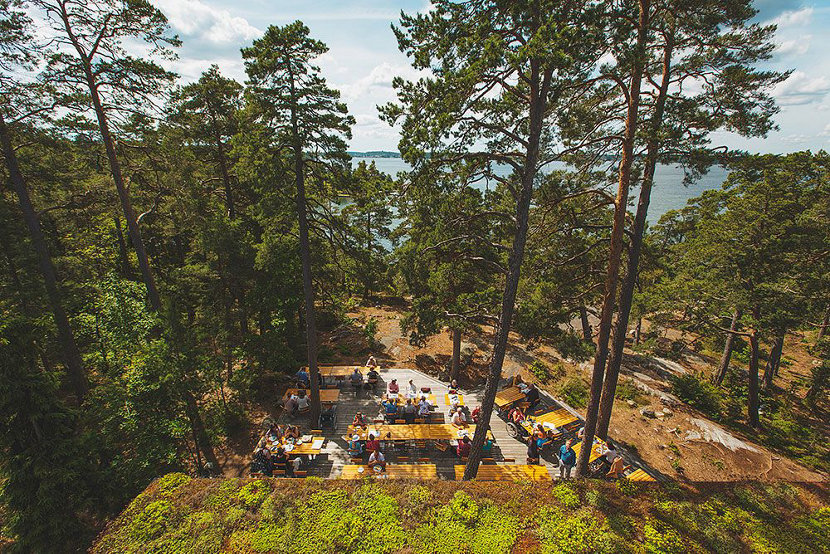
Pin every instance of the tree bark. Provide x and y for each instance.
(456, 354)
(538, 94)
(123, 258)
(118, 177)
(305, 255)
(587, 334)
(200, 436)
(774, 359)
(69, 349)
(822, 330)
(723, 366)
(753, 403)
(223, 169)
(607, 313)
(609, 387)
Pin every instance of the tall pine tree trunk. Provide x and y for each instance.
(609, 296)
(69, 349)
(774, 359)
(308, 283)
(753, 400)
(123, 193)
(538, 95)
(609, 387)
(725, 358)
(123, 258)
(587, 334)
(223, 169)
(456, 354)
(822, 330)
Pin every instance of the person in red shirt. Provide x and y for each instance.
(463, 448)
(372, 444)
(393, 386)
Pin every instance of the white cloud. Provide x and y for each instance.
(826, 131)
(801, 88)
(194, 18)
(794, 47)
(795, 139)
(378, 82)
(794, 18)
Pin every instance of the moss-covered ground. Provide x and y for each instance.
(179, 514)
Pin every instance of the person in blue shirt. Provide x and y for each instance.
(302, 377)
(567, 460)
(391, 410)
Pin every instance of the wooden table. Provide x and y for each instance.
(445, 431)
(640, 475)
(597, 451)
(393, 471)
(509, 396)
(416, 431)
(512, 472)
(304, 449)
(401, 399)
(558, 418)
(327, 396)
(448, 400)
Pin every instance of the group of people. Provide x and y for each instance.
(530, 391)
(265, 462)
(295, 403)
(373, 447)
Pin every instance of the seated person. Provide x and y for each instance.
(618, 468)
(423, 407)
(409, 411)
(390, 410)
(355, 446)
(453, 386)
(294, 465)
(393, 386)
(411, 389)
(376, 458)
(359, 420)
(516, 415)
(458, 419)
(372, 444)
(371, 362)
(302, 378)
(356, 378)
(487, 447)
(281, 459)
(290, 404)
(532, 395)
(463, 448)
(610, 454)
(275, 432)
(262, 462)
(302, 402)
(455, 402)
(372, 378)
(292, 432)
(476, 415)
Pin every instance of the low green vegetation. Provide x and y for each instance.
(179, 514)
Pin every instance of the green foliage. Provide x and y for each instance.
(545, 372)
(370, 330)
(574, 392)
(567, 495)
(578, 532)
(151, 521)
(662, 539)
(254, 493)
(628, 390)
(698, 392)
(171, 482)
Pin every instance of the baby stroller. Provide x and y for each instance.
(329, 418)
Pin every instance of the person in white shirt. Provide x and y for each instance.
(423, 407)
(377, 458)
(412, 389)
(611, 453)
(302, 401)
(371, 361)
(458, 419)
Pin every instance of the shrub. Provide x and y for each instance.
(662, 539)
(370, 330)
(252, 494)
(566, 495)
(171, 482)
(627, 390)
(151, 522)
(698, 392)
(574, 392)
(576, 534)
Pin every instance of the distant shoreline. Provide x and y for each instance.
(375, 154)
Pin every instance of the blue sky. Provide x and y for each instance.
(364, 57)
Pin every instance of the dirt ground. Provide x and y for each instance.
(680, 443)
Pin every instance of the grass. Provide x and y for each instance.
(179, 514)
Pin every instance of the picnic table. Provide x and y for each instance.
(512, 472)
(508, 396)
(327, 396)
(640, 475)
(555, 419)
(307, 448)
(449, 398)
(393, 471)
(400, 399)
(416, 431)
(598, 450)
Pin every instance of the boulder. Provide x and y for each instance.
(647, 412)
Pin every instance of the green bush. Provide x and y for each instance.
(576, 534)
(662, 539)
(574, 392)
(151, 522)
(566, 495)
(253, 494)
(171, 482)
(627, 390)
(698, 392)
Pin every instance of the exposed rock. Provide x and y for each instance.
(693, 436)
(667, 412)
(659, 415)
(648, 412)
(631, 403)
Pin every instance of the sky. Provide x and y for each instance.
(363, 58)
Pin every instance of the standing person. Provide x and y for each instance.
(567, 460)
(302, 378)
(532, 451)
(412, 390)
(423, 407)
